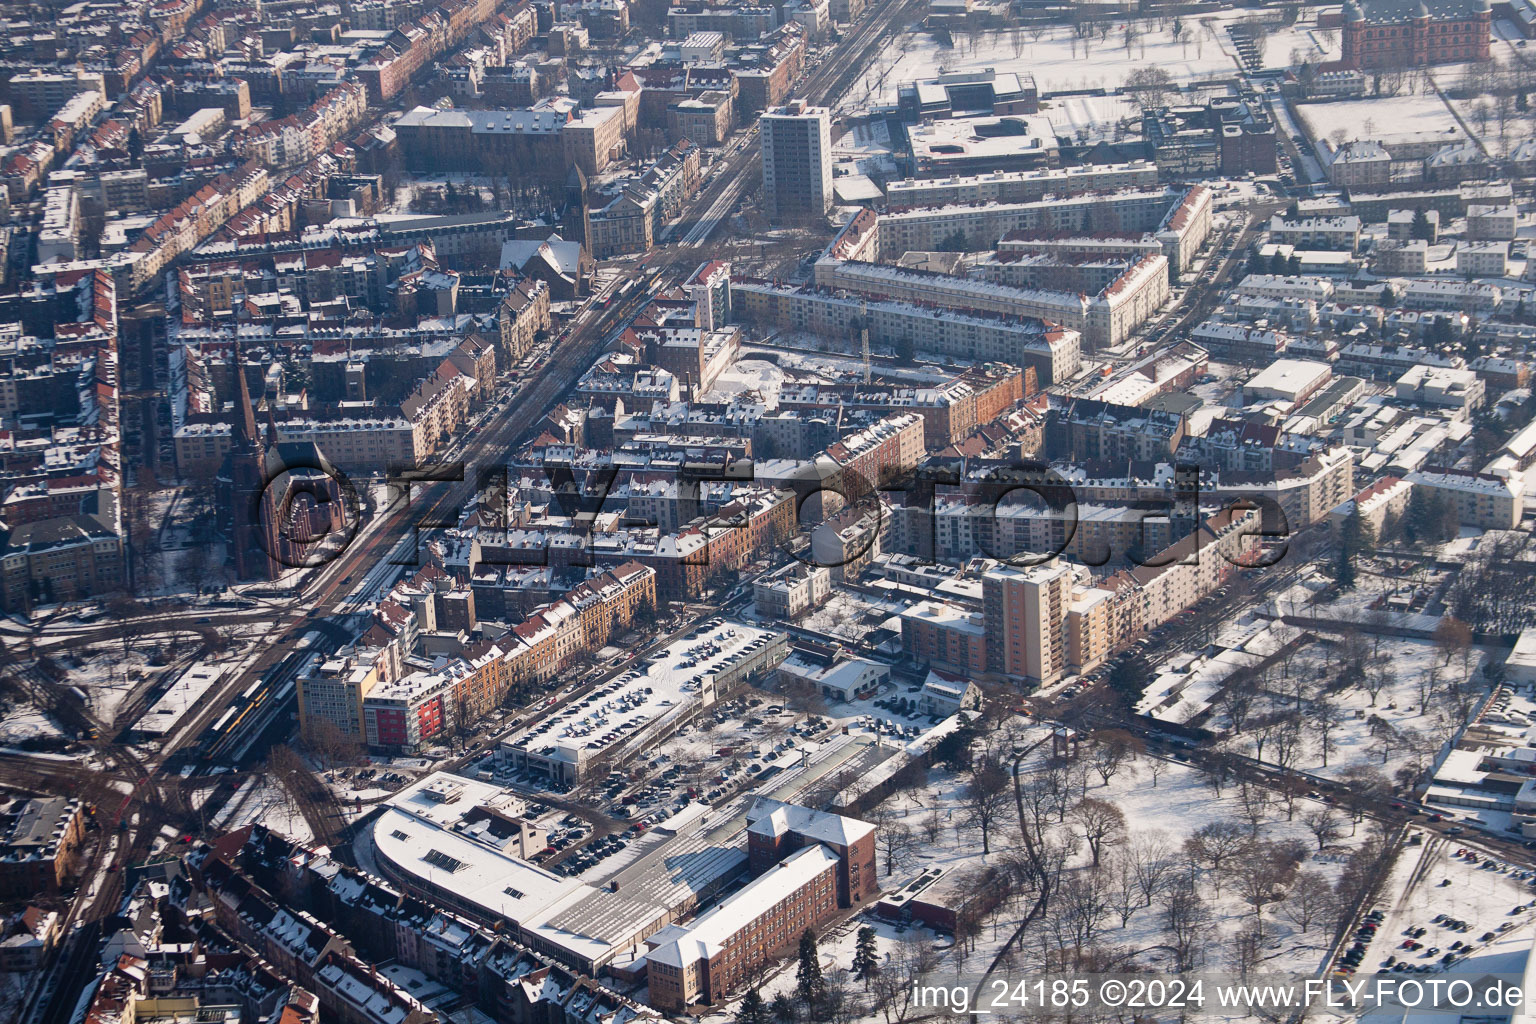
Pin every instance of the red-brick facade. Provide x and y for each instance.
(1396, 34)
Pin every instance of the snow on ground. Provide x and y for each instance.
(1403, 595)
(747, 376)
(1439, 878)
(1396, 730)
(269, 803)
(109, 674)
(807, 355)
(1374, 118)
(1180, 804)
(1058, 60)
(23, 723)
(1302, 43)
(850, 615)
(866, 149)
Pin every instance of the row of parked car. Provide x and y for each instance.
(1363, 936)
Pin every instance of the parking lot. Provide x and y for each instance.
(1463, 910)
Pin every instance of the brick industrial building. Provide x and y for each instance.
(806, 865)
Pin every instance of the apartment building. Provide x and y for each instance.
(1482, 259)
(1178, 217)
(541, 142)
(1490, 223)
(1051, 350)
(1384, 500)
(946, 636)
(417, 706)
(705, 119)
(332, 690)
(1446, 387)
(1316, 232)
(792, 591)
(1293, 496)
(40, 840)
(1116, 309)
(808, 865)
(1482, 500)
(797, 162)
(1026, 616)
(718, 953)
(1101, 619)
(68, 558)
(633, 219)
(1179, 576)
(41, 92)
(1019, 186)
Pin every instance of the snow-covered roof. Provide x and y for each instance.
(708, 935)
(769, 817)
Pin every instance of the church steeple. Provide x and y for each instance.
(245, 433)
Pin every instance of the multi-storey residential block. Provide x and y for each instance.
(1026, 616)
(797, 162)
(1481, 499)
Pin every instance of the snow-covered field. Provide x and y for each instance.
(1373, 118)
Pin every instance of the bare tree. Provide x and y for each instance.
(1100, 823)
(1363, 787)
(1375, 679)
(985, 798)
(1112, 750)
(1256, 802)
(1156, 864)
(1323, 717)
(1263, 872)
(1236, 702)
(1149, 85)
(1125, 885)
(1452, 637)
(931, 827)
(1186, 923)
(1083, 902)
(1288, 743)
(1429, 682)
(1214, 845)
(1310, 900)
(896, 842)
(1324, 824)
